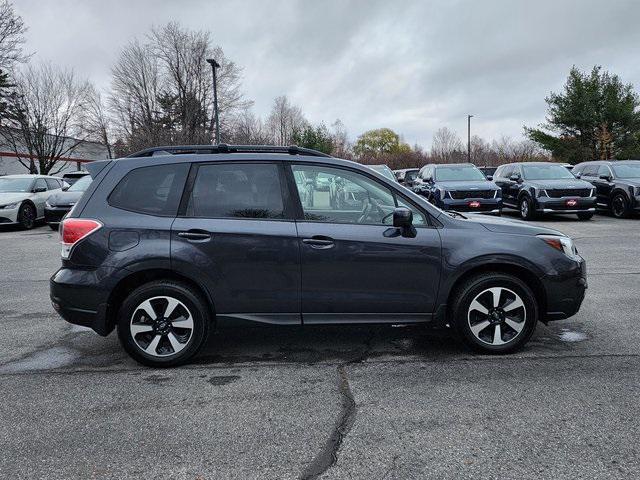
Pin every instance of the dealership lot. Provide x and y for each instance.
(381, 402)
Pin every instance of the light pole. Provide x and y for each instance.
(469, 138)
(215, 65)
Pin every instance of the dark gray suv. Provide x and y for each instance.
(178, 241)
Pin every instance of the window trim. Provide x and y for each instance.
(288, 211)
(299, 217)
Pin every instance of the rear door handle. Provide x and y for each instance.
(319, 242)
(195, 235)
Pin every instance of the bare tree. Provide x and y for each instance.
(247, 129)
(12, 30)
(46, 111)
(342, 148)
(446, 147)
(96, 122)
(284, 120)
(162, 89)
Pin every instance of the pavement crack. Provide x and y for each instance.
(328, 455)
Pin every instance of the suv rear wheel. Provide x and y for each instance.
(495, 313)
(163, 324)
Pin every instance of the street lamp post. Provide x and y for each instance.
(215, 65)
(469, 138)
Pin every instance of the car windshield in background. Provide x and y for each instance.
(546, 172)
(455, 174)
(9, 185)
(627, 170)
(81, 184)
(384, 170)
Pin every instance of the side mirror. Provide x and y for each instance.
(65, 188)
(515, 178)
(39, 190)
(605, 177)
(577, 175)
(403, 220)
(490, 177)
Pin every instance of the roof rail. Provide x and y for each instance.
(224, 148)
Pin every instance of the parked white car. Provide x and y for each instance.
(22, 198)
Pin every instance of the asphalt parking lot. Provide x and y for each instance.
(330, 402)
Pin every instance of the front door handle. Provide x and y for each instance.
(319, 242)
(195, 235)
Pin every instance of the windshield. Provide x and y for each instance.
(8, 185)
(627, 170)
(81, 184)
(384, 170)
(411, 175)
(459, 173)
(546, 172)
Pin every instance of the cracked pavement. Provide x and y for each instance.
(326, 402)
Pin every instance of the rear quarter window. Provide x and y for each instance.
(154, 190)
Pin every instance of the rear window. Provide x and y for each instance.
(237, 190)
(154, 190)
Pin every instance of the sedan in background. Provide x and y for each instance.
(536, 188)
(460, 187)
(22, 198)
(73, 177)
(59, 204)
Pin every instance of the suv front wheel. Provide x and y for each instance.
(495, 313)
(163, 324)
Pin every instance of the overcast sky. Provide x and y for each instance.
(411, 66)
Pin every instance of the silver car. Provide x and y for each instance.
(22, 198)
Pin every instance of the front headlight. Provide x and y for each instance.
(561, 243)
(541, 193)
(443, 192)
(9, 206)
(47, 204)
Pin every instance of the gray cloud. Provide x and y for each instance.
(410, 66)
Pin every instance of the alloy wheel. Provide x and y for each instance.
(28, 216)
(497, 316)
(618, 206)
(524, 208)
(161, 326)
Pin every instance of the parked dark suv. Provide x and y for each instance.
(168, 247)
(460, 187)
(537, 188)
(617, 184)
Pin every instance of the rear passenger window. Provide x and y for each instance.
(154, 190)
(52, 184)
(236, 190)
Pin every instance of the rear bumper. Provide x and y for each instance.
(81, 296)
(565, 205)
(54, 215)
(565, 292)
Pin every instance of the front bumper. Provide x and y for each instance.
(9, 215)
(565, 204)
(565, 291)
(479, 205)
(81, 296)
(53, 215)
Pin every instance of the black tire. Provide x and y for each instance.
(620, 207)
(585, 215)
(526, 208)
(27, 216)
(197, 309)
(463, 317)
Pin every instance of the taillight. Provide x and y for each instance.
(72, 230)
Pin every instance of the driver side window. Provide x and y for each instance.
(334, 195)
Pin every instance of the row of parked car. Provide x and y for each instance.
(28, 199)
(532, 188)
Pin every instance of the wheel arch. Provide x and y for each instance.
(519, 271)
(135, 279)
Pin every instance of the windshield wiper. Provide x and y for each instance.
(457, 214)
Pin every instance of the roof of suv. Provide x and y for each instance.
(223, 148)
